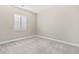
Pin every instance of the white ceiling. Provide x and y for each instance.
(34, 8)
(37, 8)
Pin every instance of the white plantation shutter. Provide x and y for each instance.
(20, 22)
(16, 22)
(23, 22)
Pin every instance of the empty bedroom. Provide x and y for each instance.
(39, 29)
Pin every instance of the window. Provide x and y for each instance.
(20, 22)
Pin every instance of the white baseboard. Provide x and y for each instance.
(39, 36)
(61, 41)
(17, 39)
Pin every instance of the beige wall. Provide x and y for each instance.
(7, 19)
(60, 22)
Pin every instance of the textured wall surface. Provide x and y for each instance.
(60, 22)
(6, 23)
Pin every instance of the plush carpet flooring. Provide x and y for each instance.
(37, 46)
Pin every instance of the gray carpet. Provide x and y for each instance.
(37, 46)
